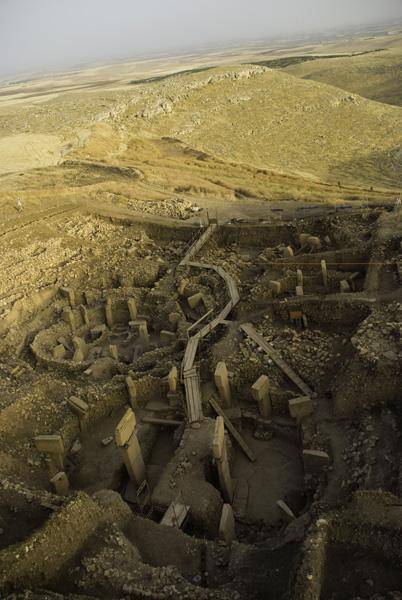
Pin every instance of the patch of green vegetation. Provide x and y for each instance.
(288, 61)
(175, 74)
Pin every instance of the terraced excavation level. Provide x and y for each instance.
(200, 408)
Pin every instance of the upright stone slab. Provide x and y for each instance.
(53, 446)
(173, 379)
(182, 287)
(219, 450)
(301, 407)
(299, 290)
(260, 393)
(275, 287)
(60, 483)
(143, 333)
(109, 313)
(71, 296)
(324, 273)
(113, 351)
(223, 384)
(80, 344)
(127, 441)
(84, 314)
(227, 525)
(80, 408)
(299, 277)
(132, 391)
(69, 317)
(132, 307)
(125, 428)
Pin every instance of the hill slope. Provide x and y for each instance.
(270, 119)
(376, 75)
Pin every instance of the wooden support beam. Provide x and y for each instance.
(232, 429)
(254, 335)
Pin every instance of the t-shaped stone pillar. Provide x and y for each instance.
(223, 385)
(80, 408)
(127, 441)
(260, 393)
(53, 446)
(80, 348)
(220, 454)
(142, 328)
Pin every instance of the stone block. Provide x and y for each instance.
(299, 290)
(314, 242)
(51, 444)
(344, 287)
(301, 407)
(125, 428)
(59, 352)
(78, 406)
(195, 300)
(60, 483)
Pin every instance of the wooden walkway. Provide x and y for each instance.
(188, 371)
(198, 244)
(254, 335)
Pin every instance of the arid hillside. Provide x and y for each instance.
(374, 75)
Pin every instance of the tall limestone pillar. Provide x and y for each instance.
(219, 449)
(127, 440)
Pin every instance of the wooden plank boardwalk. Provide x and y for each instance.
(198, 244)
(254, 335)
(188, 371)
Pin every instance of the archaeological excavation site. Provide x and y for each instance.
(202, 409)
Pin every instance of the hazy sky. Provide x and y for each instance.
(47, 34)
